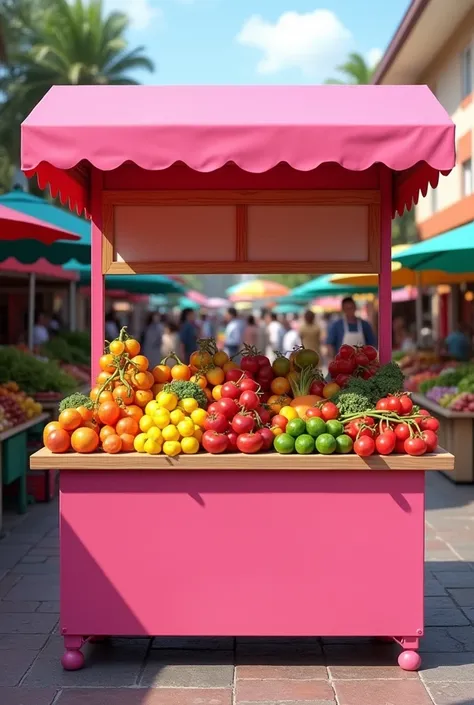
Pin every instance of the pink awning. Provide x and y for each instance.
(20, 226)
(254, 127)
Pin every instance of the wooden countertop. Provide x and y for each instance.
(45, 460)
(425, 403)
(31, 423)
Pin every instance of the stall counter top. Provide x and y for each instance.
(44, 459)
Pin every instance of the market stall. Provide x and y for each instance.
(232, 180)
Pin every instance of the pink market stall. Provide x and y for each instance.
(259, 179)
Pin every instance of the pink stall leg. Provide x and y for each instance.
(73, 658)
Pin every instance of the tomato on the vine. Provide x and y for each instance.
(370, 352)
(232, 441)
(346, 352)
(400, 446)
(230, 390)
(406, 405)
(280, 421)
(431, 440)
(415, 446)
(243, 423)
(227, 406)
(385, 443)
(214, 442)
(382, 404)
(402, 431)
(364, 446)
(361, 359)
(428, 423)
(393, 404)
(329, 411)
(267, 436)
(216, 422)
(264, 414)
(317, 388)
(249, 363)
(249, 400)
(250, 442)
(248, 385)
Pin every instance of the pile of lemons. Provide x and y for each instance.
(171, 426)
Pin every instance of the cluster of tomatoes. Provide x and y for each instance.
(350, 361)
(394, 426)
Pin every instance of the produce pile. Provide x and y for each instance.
(16, 406)
(452, 389)
(218, 406)
(418, 367)
(34, 376)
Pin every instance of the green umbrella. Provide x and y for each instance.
(288, 308)
(132, 283)
(451, 252)
(184, 302)
(322, 286)
(30, 251)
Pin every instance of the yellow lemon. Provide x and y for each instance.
(198, 432)
(139, 442)
(188, 404)
(190, 445)
(176, 416)
(152, 447)
(216, 392)
(145, 423)
(289, 413)
(151, 408)
(186, 427)
(161, 418)
(199, 417)
(170, 433)
(155, 434)
(171, 448)
(167, 400)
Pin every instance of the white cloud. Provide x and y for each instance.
(141, 12)
(313, 42)
(373, 57)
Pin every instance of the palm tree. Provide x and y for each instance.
(355, 70)
(61, 42)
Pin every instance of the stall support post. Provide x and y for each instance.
(385, 270)
(31, 308)
(72, 305)
(419, 308)
(97, 277)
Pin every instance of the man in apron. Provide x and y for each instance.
(349, 330)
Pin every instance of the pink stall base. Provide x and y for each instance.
(227, 553)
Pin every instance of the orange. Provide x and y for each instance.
(162, 374)
(127, 425)
(112, 444)
(106, 431)
(143, 396)
(127, 442)
(70, 419)
(141, 363)
(84, 440)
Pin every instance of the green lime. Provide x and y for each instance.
(325, 443)
(315, 426)
(335, 428)
(304, 444)
(284, 443)
(295, 427)
(344, 443)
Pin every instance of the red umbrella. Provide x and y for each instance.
(19, 226)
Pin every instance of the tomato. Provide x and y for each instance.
(51, 426)
(346, 352)
(406, 405)
(330, 390)
(243, 423)
(127, 425)
(341, 380)
(143, 396)
(280, 421)
(201, 358)
(84, 440)
(70, 419)
(276, 403)
(216, 422)
(220, 358)
(143, 380)
(140, 363)
(214, 442)
(215, 375)
(402, 431)
(249, 401)
(230, 390)
(400, 446)
(123, 393)
(128, 441)
(361, 359)
(367, 374)
(227, 407)
(313, 411)
(281, 366)
(161, 373)
(415, 446)
(86, 414)
(364, 446)
(249, 363)
(424, 412)
(382, 404)
(180, 372)
(428, 423)
(267, 435)
(346, 367)
(106, 363)
(232, 441)
(112, 443)
(329, 411)
(317, 388)
(431, 440)
(393, 404)
(234, 374)
(351, 430)
(106, 431)
(280, 385)
(132, 346)
(58, 440)
(116, 347)
(109, 413)
(248, 385)
(385, 443)
(264, 414)
(213, 408)
(370, 352)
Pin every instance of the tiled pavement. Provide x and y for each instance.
(243, 672)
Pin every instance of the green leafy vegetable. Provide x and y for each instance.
(34, 375)
(360, 395)
(75, 400)
(184, 390)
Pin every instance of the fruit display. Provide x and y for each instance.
(422, 366)
(16, 406)
(452, 389)
(353, 362)
(33, 375)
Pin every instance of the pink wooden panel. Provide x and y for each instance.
(175, 233)
(236, 553)
(179, 176)
(322, 233)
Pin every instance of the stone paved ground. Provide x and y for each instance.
(242, 672)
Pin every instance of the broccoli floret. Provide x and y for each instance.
(388, 380)
(75, 400)
(353, 403)
(184, 390)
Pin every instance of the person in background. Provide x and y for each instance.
(292, 338)
(169, 340)
(111, 327)
(206, 326)
(55, 325)
(310, 332)
(349, 329)
(251, 332)
(152, 336)
(40, 330)
(188, 334)
(262, 337)
(402, 340)
(233, 332)
(458, 344)
(275, 332)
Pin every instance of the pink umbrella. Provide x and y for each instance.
(19, 226)
(197, 297)
(216, 302)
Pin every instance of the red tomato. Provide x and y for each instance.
(280, 421)
(313, 411)
(267, 437)
(367, 373)
(264, 414)
(317, 388)
(249, 364)
(424, 412)
(351, 430)
(342, 380)
(228, 407)
(346, 367)
(249, 442)
(406, 404)
(216, 422)
(214, 442)
(213, 408)
(361, 359)
(364, 446)
(333, 368)
(400, 446)
(370, 352)
(265, 374)
(415, 446)
(385, 443)
(262, 360)
(429, 424)
(232, 441)
(393, 404)
(233, 375)
(329, 411)
(402, 431)
(249, 401)
(230, 390)
(346, 352)
(243, 423)
(431, 440)
(248, 385)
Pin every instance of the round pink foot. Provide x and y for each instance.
(72, 660)
(409, 660)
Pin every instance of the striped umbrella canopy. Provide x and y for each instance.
(256, 289)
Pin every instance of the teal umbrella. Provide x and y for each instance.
(322, 286)
(288, 308)
(132, 283)
(30, 251)
(184, 302)
(452, 252)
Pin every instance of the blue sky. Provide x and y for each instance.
(256, 41)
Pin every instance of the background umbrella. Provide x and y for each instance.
(256, 289)
(185, 302)
(132, 283)
(19, 226)
(323, 286)
(452, 252)
(288, 308)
